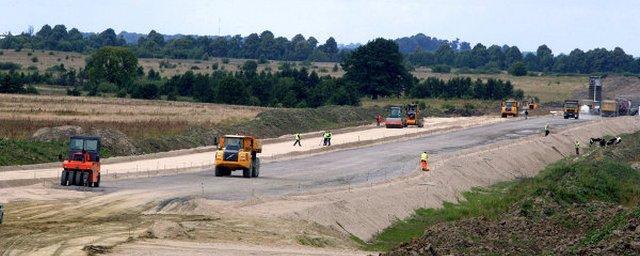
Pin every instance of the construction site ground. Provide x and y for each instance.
(307, 203)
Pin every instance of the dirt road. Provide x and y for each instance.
(271, 150)
(369, 164)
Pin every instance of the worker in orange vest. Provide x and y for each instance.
(424, 161)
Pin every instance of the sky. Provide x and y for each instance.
(562, 25)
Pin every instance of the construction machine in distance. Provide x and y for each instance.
(238, 152)
(82, 168)
(413, 116)
(532, 103)
(571, 109)
(609, 108)
(395, 118)
(509, 108)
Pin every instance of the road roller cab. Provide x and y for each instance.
(82, 167)
(238, 152)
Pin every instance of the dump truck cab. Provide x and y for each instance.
(571, 109)
(82, 167)
(509, 108)
(395, 119)
(238, 152)
(413, 116)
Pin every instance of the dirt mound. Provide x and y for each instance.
(164, 229)
(116, 142)
(617, 86)
(555, 231)
(56, 133)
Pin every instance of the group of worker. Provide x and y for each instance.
(326, 139)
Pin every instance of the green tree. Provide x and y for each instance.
(117, 65)
(518, 69)
(378, 69)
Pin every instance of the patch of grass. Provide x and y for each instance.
(605, 178)
(23, 152)
(314, 241)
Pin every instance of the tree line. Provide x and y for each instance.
(419, 50)
(496, 58)
(254, 46)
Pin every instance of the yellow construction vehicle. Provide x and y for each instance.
(238, 152)
(571, 109)
(413, 116)
(509, 108)
(531, 103)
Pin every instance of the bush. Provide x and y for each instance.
(51, 53)
(262, 61)
(73, 92)
(29, 54)
(107, 87)
(518, 69)
(195, 68)
(31, 90)
(214, 66)
(9, 66)
(335, 68)
(32, 68)
(441, 69)
(1, 52)
(34, 59)
(225, 61)
(122, 93)
(149, 91)
(167, 64)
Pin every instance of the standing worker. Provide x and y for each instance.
(378, 119)
(577, 147)
(297, 137)
(546, 129)
(424, 161)
(329, 138)
(325, 139)
(1, 213)
(526, 114)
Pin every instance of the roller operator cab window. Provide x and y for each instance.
(395, 113)
(80, 144)
(509, 104)
(233, 143)
(571, 105)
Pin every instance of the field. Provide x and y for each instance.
(547, 88)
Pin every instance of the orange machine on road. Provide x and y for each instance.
(82, 168)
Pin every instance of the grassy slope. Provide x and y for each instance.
(603, 177)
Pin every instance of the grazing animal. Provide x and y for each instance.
(594, 140)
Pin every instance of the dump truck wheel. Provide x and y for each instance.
(97, 184)
(246, 173)
(63, 178)
(219, 172)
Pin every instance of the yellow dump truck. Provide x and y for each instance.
(609, 108)
(571, 109)
(509, 108)
(238, 152)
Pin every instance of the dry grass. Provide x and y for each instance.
(77, 61)
(21, 115)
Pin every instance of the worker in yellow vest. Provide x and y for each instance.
(297, 138)
(424, 161)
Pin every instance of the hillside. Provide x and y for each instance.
(585, 206)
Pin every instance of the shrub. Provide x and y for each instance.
(34, 59)
(31, 90)
(1, 52)
(323, 70)
(518, 69)
(73, 92)
(262, 61)
(147, 91)
(214, 66)
(441, 69)
(167, 64)
(195, 68)
(32, 68)
(9, 66)
(335, 67)
(51, 53)
(29, 54)
(225, 61)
